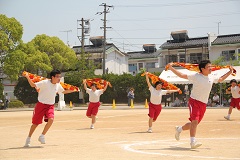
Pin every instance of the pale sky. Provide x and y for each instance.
(133, 22)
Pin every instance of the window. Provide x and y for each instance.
(150, 65)
(132, 67)
(195, 57)
(238, 53)
(140, 66)
(182, 58)
(238, 50)
(171, 58)
(229, 55)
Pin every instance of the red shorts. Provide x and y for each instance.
(42, 110)
(154, 111)
(197, 109)
(235, 102)
(92, 109)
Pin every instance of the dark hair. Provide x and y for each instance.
(93, 84)
(233, 80)
(203, 64)
(157, 83)
(54, 72)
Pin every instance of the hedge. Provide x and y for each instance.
(15, 104)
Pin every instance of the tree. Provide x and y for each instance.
(84, 69)
(24, 92)
(61, 56)
(14, 63)
(11, 33)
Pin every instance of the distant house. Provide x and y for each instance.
(115, 61)
(147, 59)
(192, 50)
(8, 86)
(227, 46)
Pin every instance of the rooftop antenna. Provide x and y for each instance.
(67, 35)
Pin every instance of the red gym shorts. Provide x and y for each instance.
(92, 109)
(154, 110)
(42, 110)
(197, 109)
(235, 102)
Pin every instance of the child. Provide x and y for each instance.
(45, 106)
(202, 84)
(130, 96)
(155, 106)
(94, 97)
(235, 100)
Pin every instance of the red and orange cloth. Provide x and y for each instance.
(35, 78)
(194, 67)
(166, 85)
(100, 83)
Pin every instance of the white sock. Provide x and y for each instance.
(192, 139)
(229, 115)
(150, 128)
(28, 138)
(179, 129)
(42, 135)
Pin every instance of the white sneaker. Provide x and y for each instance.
(177, 134)
(195, 145)
(92, 126)
(41, 139)
(149, 130)
(227, 118)
(27, 143)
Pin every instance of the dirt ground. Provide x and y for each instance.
(120, 134)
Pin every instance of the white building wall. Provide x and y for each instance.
(116, 63)
(216, 51)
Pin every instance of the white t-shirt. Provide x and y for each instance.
(48, 91)
(156, 95)
(235, 92)
(202, 86)
(94, 96)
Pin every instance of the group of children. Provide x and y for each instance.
(197, 102)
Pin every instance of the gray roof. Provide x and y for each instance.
(142, 54)
(93, 48)
(189, 43)
(201, 41)
(227, 39)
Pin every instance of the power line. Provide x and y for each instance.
(173, 4)
(186, 17)
(151, 29)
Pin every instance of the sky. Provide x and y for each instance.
(133, 22)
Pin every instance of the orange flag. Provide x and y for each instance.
(101, 83)
(35, 78)
(166, 85)
(194, 67)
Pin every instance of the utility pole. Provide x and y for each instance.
(85, 29)
(218, 26)
(105, 11)
(67, 35)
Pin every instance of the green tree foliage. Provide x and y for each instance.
(36, 62)
(61, 56)
(11, 33)
(14, 63)
(1, 92)
(24, 92)
(84, 69)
